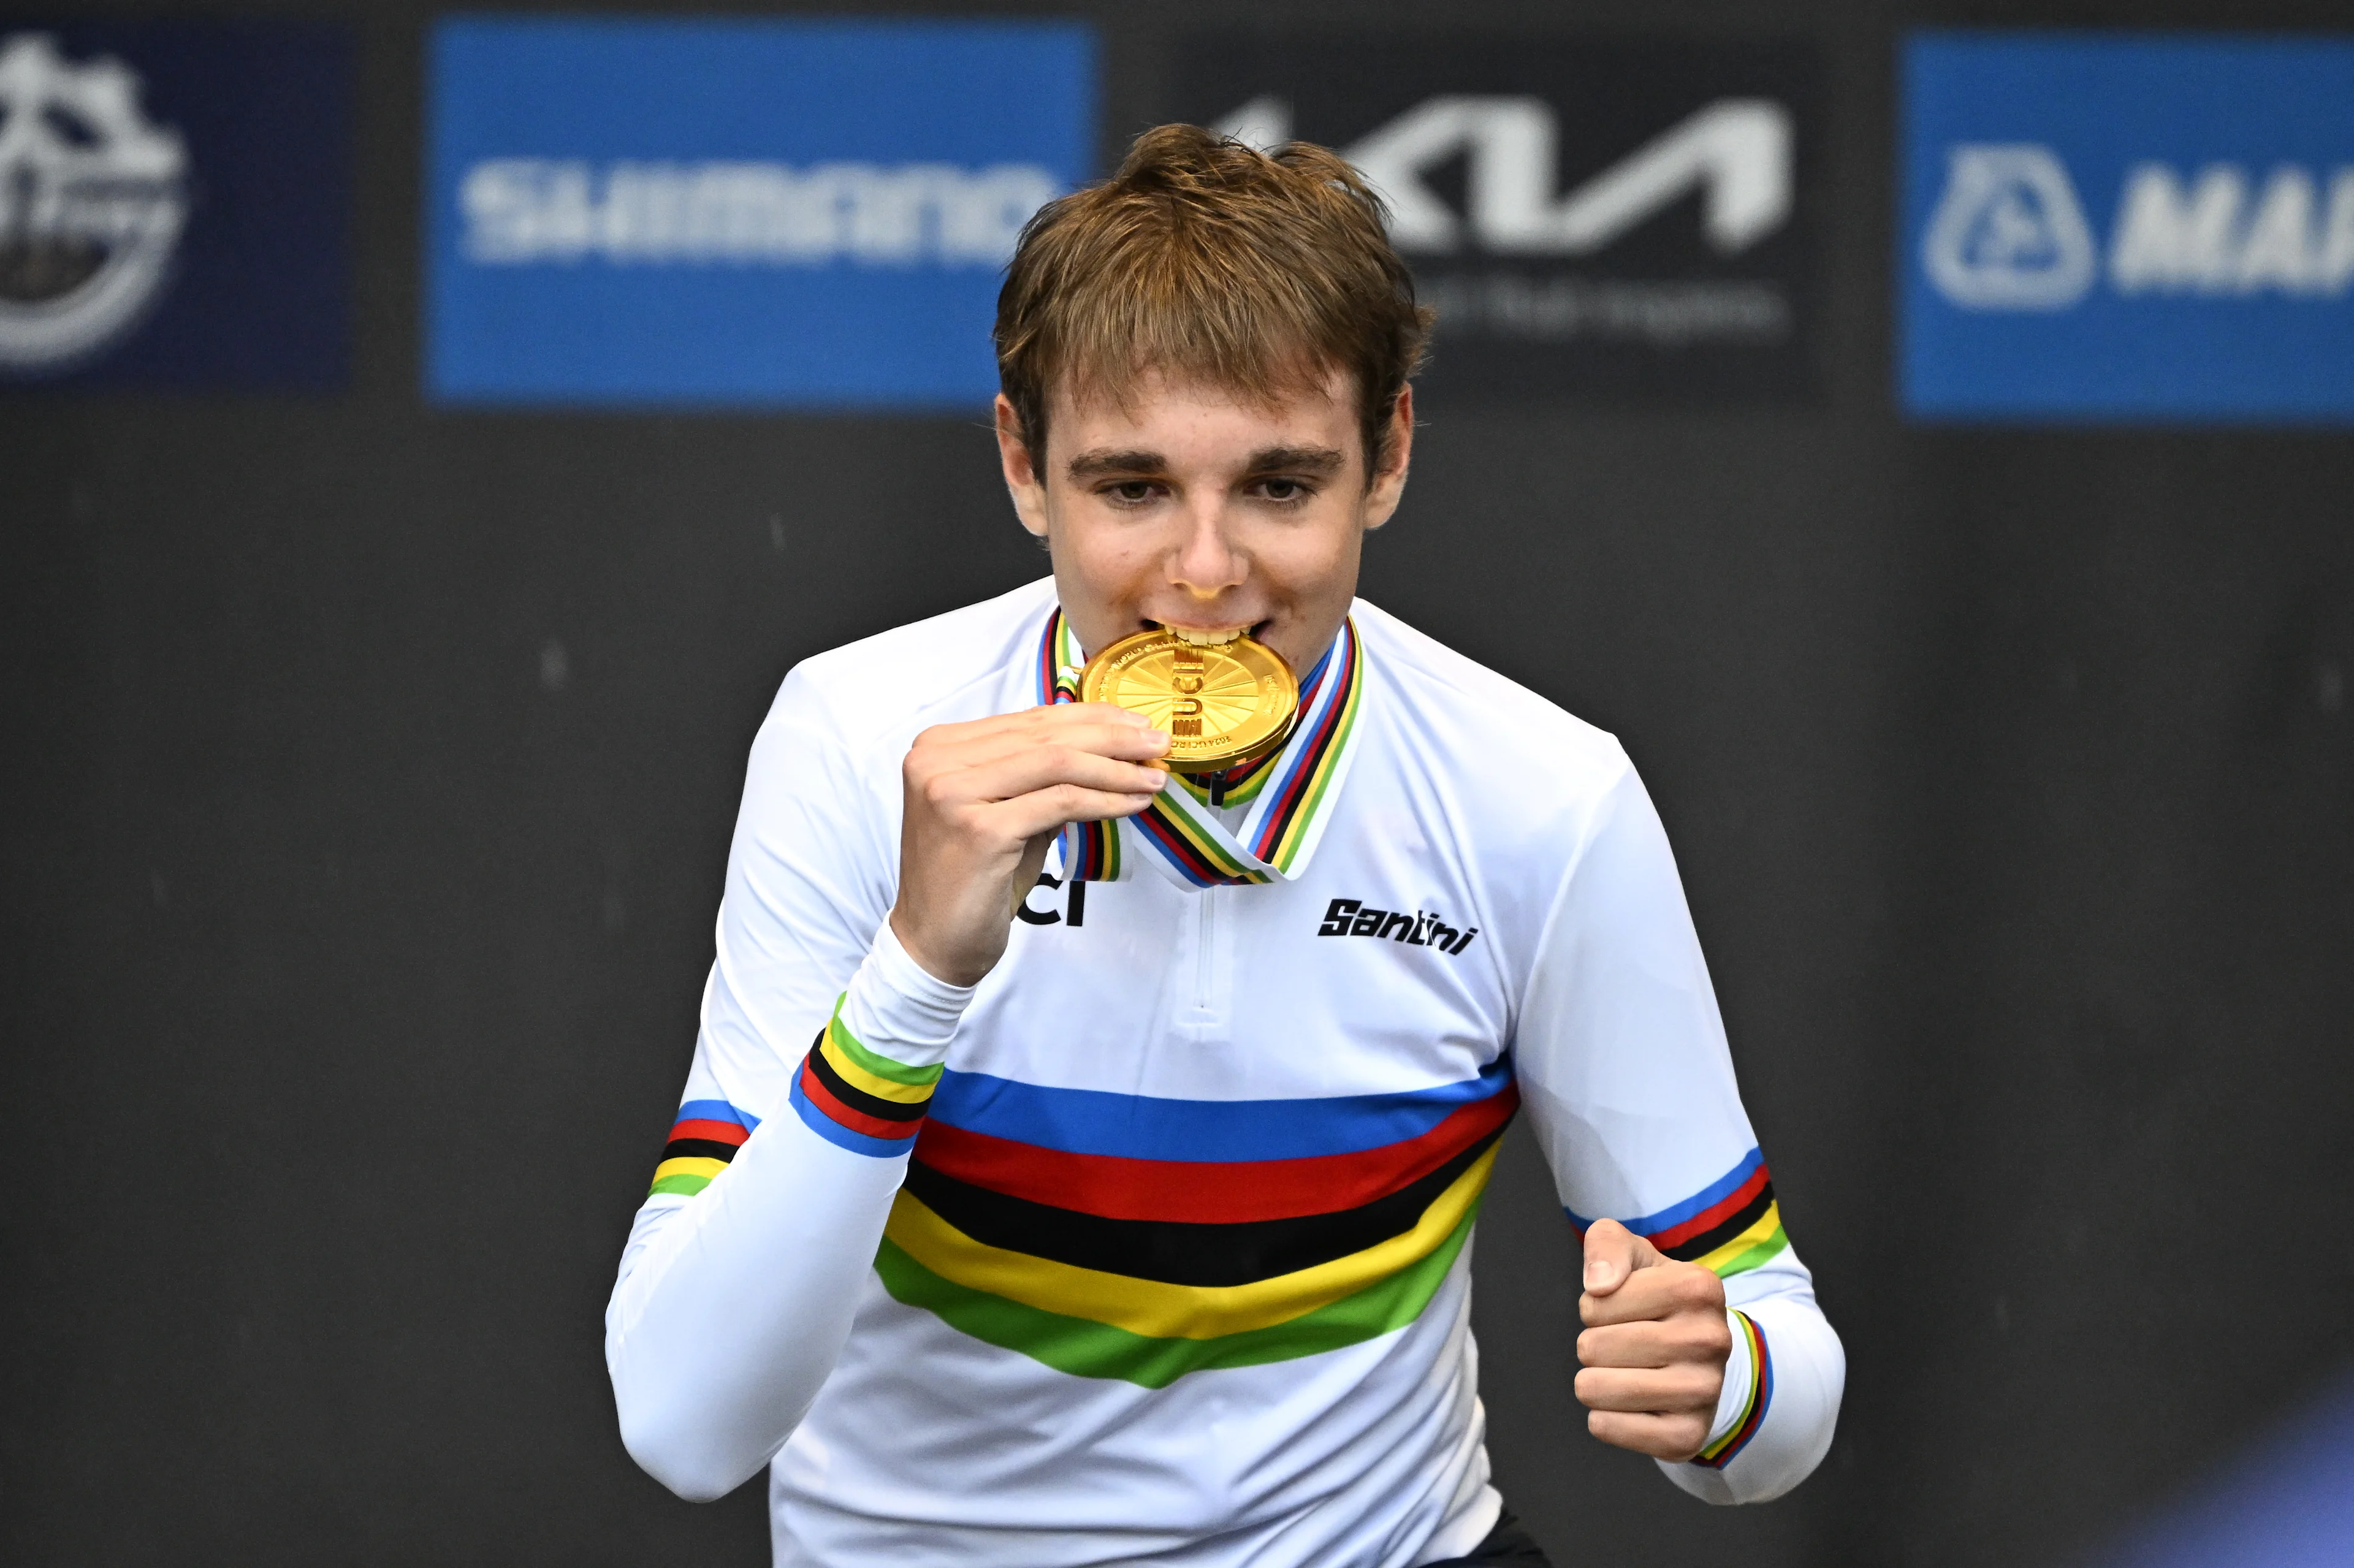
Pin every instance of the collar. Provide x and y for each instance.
(1290, 794)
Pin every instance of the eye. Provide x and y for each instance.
(1285, 491)
(1130, 492)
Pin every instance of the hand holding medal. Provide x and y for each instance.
(984, 799)
(981, 804)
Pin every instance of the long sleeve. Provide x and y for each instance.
(1623, 1065)
(747, 1260)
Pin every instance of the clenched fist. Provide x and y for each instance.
(1654, 1346)
(983, 801)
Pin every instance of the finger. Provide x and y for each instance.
(1702, 1337)
(1045, 720)
(1045, 713)
(1674, 1439)
(1126, 743)
(1043, 812)
(1034, 767)
(1125, 716)
(1612, 1253)
(1107, 718)
(1034, 860)
(1659, 1391)
(1100, 726)
(1662, 1290)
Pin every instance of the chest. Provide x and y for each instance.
(1372, 973)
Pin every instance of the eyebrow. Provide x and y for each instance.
(1098, 464)
(1322, 461)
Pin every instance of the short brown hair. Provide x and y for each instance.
(1209, 260)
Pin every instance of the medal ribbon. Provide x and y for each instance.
(1290, 794)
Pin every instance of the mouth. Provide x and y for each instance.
(1211, 636)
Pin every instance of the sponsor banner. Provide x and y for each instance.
(2122, 228)
(1593, 217)
(173, 201)
(737, 213)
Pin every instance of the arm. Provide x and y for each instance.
(750, 1256)
(1704, 1346)
(735, 1294)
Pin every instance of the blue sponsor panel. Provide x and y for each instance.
(173, 204)
(2128, 228)
(743, 213)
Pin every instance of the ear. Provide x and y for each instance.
(1024, 471)
(1388, 482)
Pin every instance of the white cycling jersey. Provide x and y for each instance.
(1154, 1245)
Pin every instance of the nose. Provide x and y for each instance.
(1206, 563)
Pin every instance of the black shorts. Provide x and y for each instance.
(1507, 1546)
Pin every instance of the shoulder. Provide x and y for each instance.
(1467, 710)
(888, 685)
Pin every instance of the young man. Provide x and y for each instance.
(1121, 1211)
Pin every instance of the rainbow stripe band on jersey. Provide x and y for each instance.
(1730, 1226)
(1121, 1236)
(703, 1141)
(860, 1100)
(1719, 1454)
(1288, 795)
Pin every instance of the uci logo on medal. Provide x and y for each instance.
(2128, 228)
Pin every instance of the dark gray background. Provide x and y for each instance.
(370, 772)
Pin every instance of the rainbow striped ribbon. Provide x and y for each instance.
(1289, 795)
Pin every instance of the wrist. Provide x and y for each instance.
(896, 1007)
(931, 958)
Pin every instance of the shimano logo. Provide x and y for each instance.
(1351, 917)
(93, 201)
(2009, 233)
(519, 211)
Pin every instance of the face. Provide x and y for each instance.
(1190, 509)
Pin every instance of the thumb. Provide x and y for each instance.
(1034, 860)
(1613, 1253)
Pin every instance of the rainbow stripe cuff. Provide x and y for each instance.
(1730, 1226)
(859, 1100)
(1719, 1454)
(703, 1141)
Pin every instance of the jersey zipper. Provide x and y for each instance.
(1205, 931)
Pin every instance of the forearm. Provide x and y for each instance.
(734, 1305)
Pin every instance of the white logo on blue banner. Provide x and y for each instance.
(2009, 234)
(2128, 228)
(737, 212)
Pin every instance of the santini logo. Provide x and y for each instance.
(523, 210)
(1349, 918)
(91, 204)
(2009, 234)
(1734, 153)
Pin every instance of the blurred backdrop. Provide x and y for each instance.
(429, 440)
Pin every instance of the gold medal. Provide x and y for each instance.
(1223, 704)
